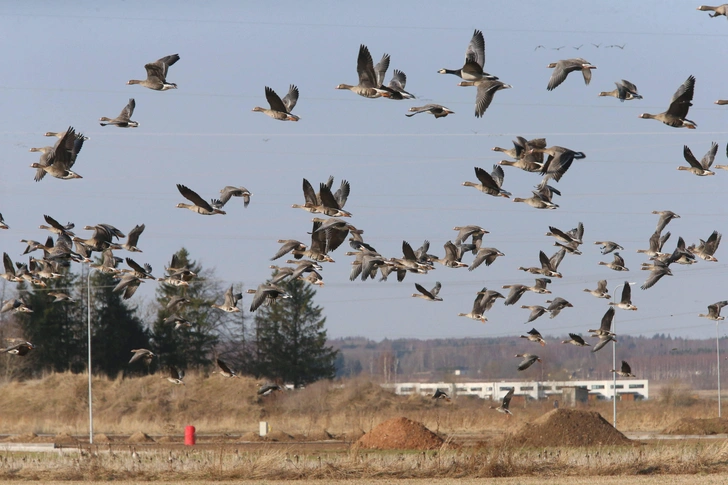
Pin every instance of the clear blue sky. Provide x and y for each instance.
(68, 65)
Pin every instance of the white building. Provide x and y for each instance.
(603, 389)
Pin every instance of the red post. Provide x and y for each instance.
(189, 435)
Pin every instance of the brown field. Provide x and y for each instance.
(226, 413)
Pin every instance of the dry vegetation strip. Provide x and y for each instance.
(228, 463)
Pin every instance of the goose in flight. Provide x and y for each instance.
(680, 103)
(199, 204)
(280, 109)
(701, 168)
(490, 183)
(626, 91)
(714, 311)
(625, 303)
(505, 403)
(624, 371)
(230, 303)
(225, 369)
(706, 249)
(431, 295)
(577, 340)
(608, 246)
(175, 376)
(601, 290)
(124, 118)
(528, 361)
(472, 70)
(142, 354)
(157, 74)
(436, 110)
(534, 335)
(617, 264)
(227, 192)
(563, 67)
(371, 77)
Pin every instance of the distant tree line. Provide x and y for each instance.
(284, 342)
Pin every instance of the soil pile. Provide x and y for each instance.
(569, 427)
(101, 438)
(250, 436)
(706, 426)
(279, 436)
(321, 435)
(400, 434)
(140, 437)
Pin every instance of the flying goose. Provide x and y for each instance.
(17, 305)
(280, 109)
(225, 369)
(489, 298)
(472, 70)
(175, 375)
(176, 303)
(625, 91)
(490, 183)
(451, 258)
(664, 220)
(129, 284)
(437, 110)
(534, 336)
(558, 162)
(717, 11)
(478, 308)
(563, 67)
(625, 302)
(657, 241)
(56, 227)
(505, 403)
(601, 290)
(157, 74)
(486, 91)
(714, 311)
(549, 266)
(441, 395)
(58, 160)
(230, 303)
(484, 255)
(142, 272)
(624, 371)
(472, 231)
(18, 347)
(10, 274)
(702, 167)
(605, 327)
(227, 192)
(617, 264)
(2, 223)
(59, 296)
(517, 290)
(109, 263)
(609, 246)
(528, 360)
(657, 273)
(576, 340)
(266, 294)
(199, 204)
(680, 103)
(397, 84)
(706, 249)
(266, 389)
(537, 201)
(567, 237)
(556, 305)
(178, 321)
(371, 77)
(431, 295)
(521, 149)
(124, 118)
(536, 311)
(133, 239)
(142, 354)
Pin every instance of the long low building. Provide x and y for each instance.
(603, 389)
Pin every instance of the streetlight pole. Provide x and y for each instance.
(90, 394)
(614, 356)
(717, 348)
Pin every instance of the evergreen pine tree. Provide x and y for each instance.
(115, 328)
(291, 339)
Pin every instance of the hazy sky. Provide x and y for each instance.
(68, 64)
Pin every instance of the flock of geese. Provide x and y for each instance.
(332, 229)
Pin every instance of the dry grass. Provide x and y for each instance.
(215, 405)
(228, 463)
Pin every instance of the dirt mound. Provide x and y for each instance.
(400, 434)
(22, 438)
(101, 438)
(140, 437)
(705, 426)
(170, 439)
(569, 427)
(64, 439)
(279, 436)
